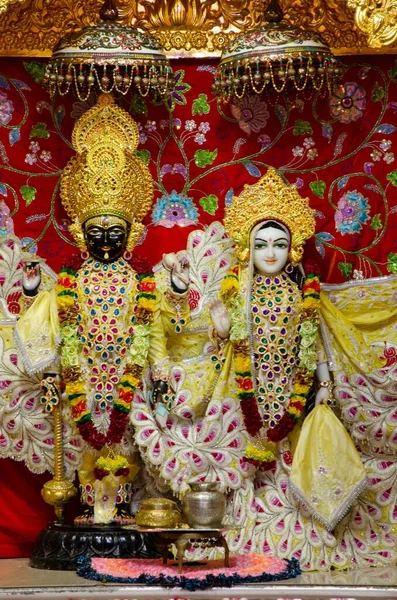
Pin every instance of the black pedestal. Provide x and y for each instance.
(58, 546)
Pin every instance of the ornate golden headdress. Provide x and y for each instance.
(269, 198)
(106, 177)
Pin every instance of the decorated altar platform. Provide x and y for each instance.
(19, 581)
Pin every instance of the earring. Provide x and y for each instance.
(127, 255)
(295, 255)
(289, 268)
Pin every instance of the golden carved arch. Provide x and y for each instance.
(183, 27)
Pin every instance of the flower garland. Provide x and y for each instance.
(131, 377)
(117, 465)
(230, 294)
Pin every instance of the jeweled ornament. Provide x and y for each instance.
(108, 58)
(275, 57)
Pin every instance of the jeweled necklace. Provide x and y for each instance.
(274, 341)
(72, 376)
(105, 325)
(231, 296)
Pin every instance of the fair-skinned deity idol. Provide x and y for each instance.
(244, 335)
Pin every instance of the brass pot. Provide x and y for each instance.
(158, 513)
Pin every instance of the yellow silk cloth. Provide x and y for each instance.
(356, 320)
(327, 473)
(37, 333)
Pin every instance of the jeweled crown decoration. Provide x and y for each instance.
(269, 198)
(275, 57)
(108, 57)
(106, 177)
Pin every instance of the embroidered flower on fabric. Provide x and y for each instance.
(174, 209)
(190, 125)
(250, 113)
(348, 102)
(31, 159)
(376, 155)
(6, 109)
(200, 138)
(264, 140)
(308, 142)
(46, 156)
(204, 127)
(298, 151)
(151, 126)
(352, 213)
(176, 169)
(312, 153)
(34, 146)
(385, 145)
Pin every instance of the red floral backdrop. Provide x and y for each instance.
(338, 151)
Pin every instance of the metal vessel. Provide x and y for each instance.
(158, 512)
(204, 507)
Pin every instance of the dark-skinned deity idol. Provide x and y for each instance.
(92, 330)
(223, 365)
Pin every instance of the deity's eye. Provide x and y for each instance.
(260, 244)
(94, 231)
(116, 232)
(281, 244)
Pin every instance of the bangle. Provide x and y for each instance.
(326, 384)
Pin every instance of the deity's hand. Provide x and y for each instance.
(31, 277)
(322, 396)
(325, 383)
(179, 267)
(220, 317)
(159, 389)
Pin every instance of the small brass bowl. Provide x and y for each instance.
(158, 512)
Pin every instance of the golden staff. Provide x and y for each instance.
(58, 491)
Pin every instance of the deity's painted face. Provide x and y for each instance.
(106, 237)
(270, 251)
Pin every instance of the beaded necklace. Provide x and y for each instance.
(275, 342)
(72, 334)
(303, 377)
(106, 324)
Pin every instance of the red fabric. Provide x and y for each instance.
(343, 150)
(23, 511)
(348, 159)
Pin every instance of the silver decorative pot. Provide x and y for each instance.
(204, 506)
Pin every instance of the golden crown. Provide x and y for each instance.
(269, 199)
(106, 177)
